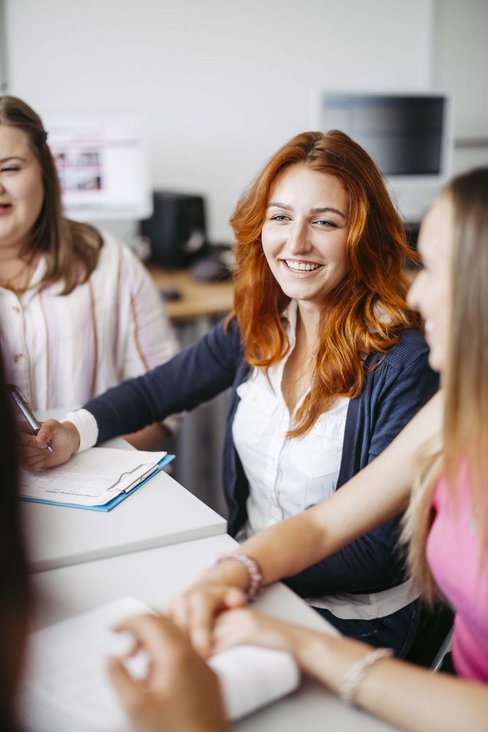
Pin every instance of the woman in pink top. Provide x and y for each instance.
(443, 452)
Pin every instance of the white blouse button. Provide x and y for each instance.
(18, 356)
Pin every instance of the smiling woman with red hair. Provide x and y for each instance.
(325, 363)
(367, 310)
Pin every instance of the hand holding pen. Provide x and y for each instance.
(43, 445)
(26, 412)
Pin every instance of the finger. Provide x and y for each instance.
(126, 687)
(179, 614)
(49, 431)
(205, 612)
(126, 645)
(34, 463)
(235, 598)
(201, 627)
(155, 635)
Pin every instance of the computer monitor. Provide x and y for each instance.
(407, 135)
(102, 166)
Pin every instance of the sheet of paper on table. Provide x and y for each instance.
(67, 686)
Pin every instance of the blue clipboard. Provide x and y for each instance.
(113, 501)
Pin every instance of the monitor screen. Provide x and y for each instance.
(101, 164)
(406, 135)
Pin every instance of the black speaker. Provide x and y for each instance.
(177, 229)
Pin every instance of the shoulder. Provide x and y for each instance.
(117, 258)
(114, 247)
(227, 336)
(410, 348)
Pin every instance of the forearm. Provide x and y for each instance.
(372, 563)
(192, 377)
(378, 493)
(405, 695)
(151, 437)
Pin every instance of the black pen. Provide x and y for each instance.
(26, 411)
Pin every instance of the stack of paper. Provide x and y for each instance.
(67, 686)
(97, 479)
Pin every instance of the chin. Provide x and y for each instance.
(435, 361)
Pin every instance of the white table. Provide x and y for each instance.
(158, 513)
(156, 575)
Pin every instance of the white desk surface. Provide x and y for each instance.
(160, 512)
(156, 575)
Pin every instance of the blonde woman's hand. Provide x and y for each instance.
(245, 626)
(53, 445)
(179, 691)
(196, 610)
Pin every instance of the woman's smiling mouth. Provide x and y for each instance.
(301, 266)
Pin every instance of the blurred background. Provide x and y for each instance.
(219, 85)
(185, 101)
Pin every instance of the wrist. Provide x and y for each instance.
(226, 573)
(74, 436)
(250, 573)
(311, 650)
(356, 673)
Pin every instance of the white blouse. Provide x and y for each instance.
(286, 476)
(63, 350)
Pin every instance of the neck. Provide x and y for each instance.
(15, 267)
(307, 324)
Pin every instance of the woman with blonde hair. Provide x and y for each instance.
(325, 362)
(79, 312)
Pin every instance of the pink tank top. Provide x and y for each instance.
(453, 553)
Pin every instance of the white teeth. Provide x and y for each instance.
(301, 266)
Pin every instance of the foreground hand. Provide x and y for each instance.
(246, 626)
(63, 437)
(196, 610)
(180, 692)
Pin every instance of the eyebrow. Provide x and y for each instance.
(12, 157)
(314, 211)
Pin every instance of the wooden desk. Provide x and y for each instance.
(154, 577)
(199, 299)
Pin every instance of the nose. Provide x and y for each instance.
(298, 242)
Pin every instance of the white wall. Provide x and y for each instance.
(460, 63)
(222, 83)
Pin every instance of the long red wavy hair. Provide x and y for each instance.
(366, 312)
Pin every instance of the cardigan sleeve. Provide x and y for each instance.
(394, 392)
(193, 376)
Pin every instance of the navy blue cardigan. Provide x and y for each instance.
(398, 383)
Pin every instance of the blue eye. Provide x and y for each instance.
(326, 224)
(280, 217)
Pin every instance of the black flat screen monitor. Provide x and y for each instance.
(405, 134)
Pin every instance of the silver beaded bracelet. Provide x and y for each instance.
(357, 672)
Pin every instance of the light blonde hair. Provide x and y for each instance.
(71, 248)
(463, 443)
